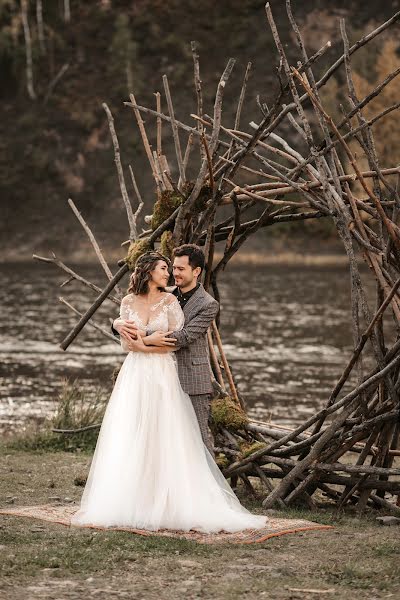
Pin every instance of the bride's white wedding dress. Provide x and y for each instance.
(150, 469)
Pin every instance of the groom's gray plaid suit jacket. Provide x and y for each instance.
(192, 356)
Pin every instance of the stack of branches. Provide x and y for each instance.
(321, 178)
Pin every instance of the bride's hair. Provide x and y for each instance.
(145, 264)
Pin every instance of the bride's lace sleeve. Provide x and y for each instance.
(124, 314)
(176, 317)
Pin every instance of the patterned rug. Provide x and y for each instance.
(275, 526)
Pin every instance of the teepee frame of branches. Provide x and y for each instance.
(348, 450)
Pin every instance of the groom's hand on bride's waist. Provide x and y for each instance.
(160, 339)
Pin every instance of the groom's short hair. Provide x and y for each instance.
(194, 253)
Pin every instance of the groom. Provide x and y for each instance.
(199, 309)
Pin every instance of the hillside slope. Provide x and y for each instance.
(58, 145)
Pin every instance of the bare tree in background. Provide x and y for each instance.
(67, 11)
(28, 49)
(40, 27)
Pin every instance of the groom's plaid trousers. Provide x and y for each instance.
(192, 357)
(201, 405)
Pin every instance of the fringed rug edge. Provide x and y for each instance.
(184, 535)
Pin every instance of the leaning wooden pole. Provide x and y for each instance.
(90, 312)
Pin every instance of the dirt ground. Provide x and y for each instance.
(358, 559)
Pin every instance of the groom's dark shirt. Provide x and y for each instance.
(183, 298)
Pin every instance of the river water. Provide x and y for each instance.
(285, 331)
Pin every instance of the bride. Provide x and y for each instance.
(150, 469)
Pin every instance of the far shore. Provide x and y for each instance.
(257, 258)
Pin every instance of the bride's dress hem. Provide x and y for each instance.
(195, 530)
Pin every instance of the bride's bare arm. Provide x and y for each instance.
(159, 339)
(159, 349)
(139, 346)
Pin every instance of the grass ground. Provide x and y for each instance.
(357, 560)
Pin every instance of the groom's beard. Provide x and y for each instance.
(178, 285)
(182, 283)
(172, 283)
(186, 284)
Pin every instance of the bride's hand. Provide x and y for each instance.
(126, 328)
(160, 339)
(136, 345)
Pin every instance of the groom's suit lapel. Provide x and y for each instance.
(193, 303)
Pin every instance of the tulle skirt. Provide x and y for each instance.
(150, 469)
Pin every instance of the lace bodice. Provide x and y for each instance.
(164, 315)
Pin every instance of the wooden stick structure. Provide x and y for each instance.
(348, 451)
(93, 241)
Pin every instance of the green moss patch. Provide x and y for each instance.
(164, 207)
(167, 244)
(136, 249)
(248, 449)
(226, 413)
